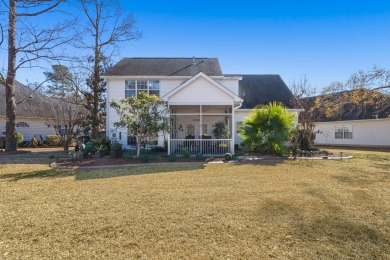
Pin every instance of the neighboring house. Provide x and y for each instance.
(361, 125)
(31, 115)
(198, 95)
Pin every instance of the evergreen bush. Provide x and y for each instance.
(228, 156)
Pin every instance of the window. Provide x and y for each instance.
(204, 129)
(63, 129)
(190, 129)
(343, 132)
(130, 88)
(131, 140)
(154, 87)
(22, 124)
(142, 86)
(134, 87)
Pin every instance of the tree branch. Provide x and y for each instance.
(383, 87)
(32, 92)
(42, 11)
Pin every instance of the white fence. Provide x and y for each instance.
(201, 146)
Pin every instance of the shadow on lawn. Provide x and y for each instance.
(51, 173)
(333, 230)
(30, 158)
(263, 161)
(88, 174)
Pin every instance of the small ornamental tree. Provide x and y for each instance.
(144, 115)
(266, 129)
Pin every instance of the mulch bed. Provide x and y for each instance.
(121, 161)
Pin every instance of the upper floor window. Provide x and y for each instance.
(343, 132)
(22, 124)
(134, 87)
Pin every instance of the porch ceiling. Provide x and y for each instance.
(198, 108)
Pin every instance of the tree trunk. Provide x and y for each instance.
(138, 148)
(95, 85)
(10, 81)
(66, 147)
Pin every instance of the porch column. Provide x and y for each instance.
(233, 133)
(200, 127)
(169, 135)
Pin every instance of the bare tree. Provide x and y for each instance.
(106, 27)
(375, 79)
(30, 44)
(302, 88)
(66, 119)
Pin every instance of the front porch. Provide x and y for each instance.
(194, 130)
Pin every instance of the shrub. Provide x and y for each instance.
(172, 158)
(302, 139)
(19, 138)
(228, 156)
(185, 153)
(144, 158)
(51, 156)
(102, 141)
(100, 147)
(235, 157)
(158, 149)
(89, 146)
(307, 138)
(199, 156)
(266, 129)
(53, 140)
(116, 147)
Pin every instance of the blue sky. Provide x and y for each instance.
(326, 40)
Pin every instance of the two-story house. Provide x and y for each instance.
(198, 95)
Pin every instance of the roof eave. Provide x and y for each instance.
(106, 77)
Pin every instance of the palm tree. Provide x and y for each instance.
(266, 129)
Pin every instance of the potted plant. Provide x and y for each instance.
(100, 149)
(116, 150)
(88, 150)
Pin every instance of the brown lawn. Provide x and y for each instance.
(277, 209)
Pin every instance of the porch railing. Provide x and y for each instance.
(214, 147)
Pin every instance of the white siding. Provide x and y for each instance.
(167, 85)
(115, 91)
(36, 127)
(201, 91)
(230, 84)
(364, 133)
(239, 116)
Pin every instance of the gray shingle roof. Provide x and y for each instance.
(31, 107)
(165, 67)
(261, 89)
